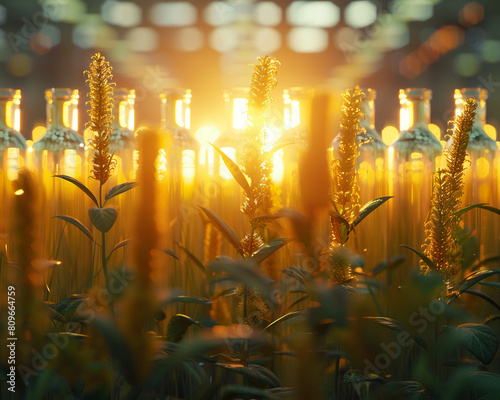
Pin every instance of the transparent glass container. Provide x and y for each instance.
(59, 136)
(233, 136)
(12, 151)
(296, 106)
(481, 174)
(122, 143)
(124, 120)
(411, 163)
(417, 138)
(9, 115)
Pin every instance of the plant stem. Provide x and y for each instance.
(104, 262)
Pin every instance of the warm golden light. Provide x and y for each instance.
(38, 132)
(483, 167)
(188, 166)
(131, 110)
(435, 130)
(278, 167)
(19, 192)
(239, 113)
(491, 131)
(223, 171)
(390, 134)
(12, 163)
(405, 112)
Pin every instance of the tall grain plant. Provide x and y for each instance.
(101, 106)
(345, 188)
(441, 230)
(29, 276)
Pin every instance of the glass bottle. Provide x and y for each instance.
(232, 139)
(481, 174)
(411, 162)
(61, 149)
(122, 143)
(372, 182)
(294, 141)
(12, 150)
(12, 142)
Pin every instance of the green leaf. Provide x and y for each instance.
(186, 299)
(483, 296)
(470, 281)
(253, 371)
(243, 273)
(235, 172)
(355, 376)
(481, 205)
(103, 218)
(193, 258)
(480, 340)
(80, 186)
(78, 224)
(494, 285)
(412, 389)
(289, 393)
(369, 207)
(297, 301)
(490, 396)
(302, 275)
(224, 229)
(169, 252)
(119, 189)
(231, 392)
(425, 259)
(267, 250)
(395, 262)
(480, 263)
(178, 326)
(396, 326)
(340, 226)
(121, 244)
(285, 317)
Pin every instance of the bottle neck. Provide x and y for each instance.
(420, 111)
(368, 121)
(3, 115)
(480, 119)
(55, 115)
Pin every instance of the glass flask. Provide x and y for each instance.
(122, 143)
(296, 103)
(481, 174)
(12, 150)
(61, 149)
(411, 164)
(372, 182)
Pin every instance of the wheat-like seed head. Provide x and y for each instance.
(441, 242)
(101, 105)
(257, 164)
(346, 190)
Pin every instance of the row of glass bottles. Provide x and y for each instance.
(404, 170)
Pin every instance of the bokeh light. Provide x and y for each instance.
(224, 39)
(126, 13)
(307, 40)
(359, 14)
(176, 13)
(268, 13)
(20, 65)
(389, 134)
(267, 40)
(189, 39)
(319, 14)
(142, 39)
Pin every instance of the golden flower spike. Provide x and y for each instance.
(101, 104)
(441, 242)
(346, 190)
(257, 163)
